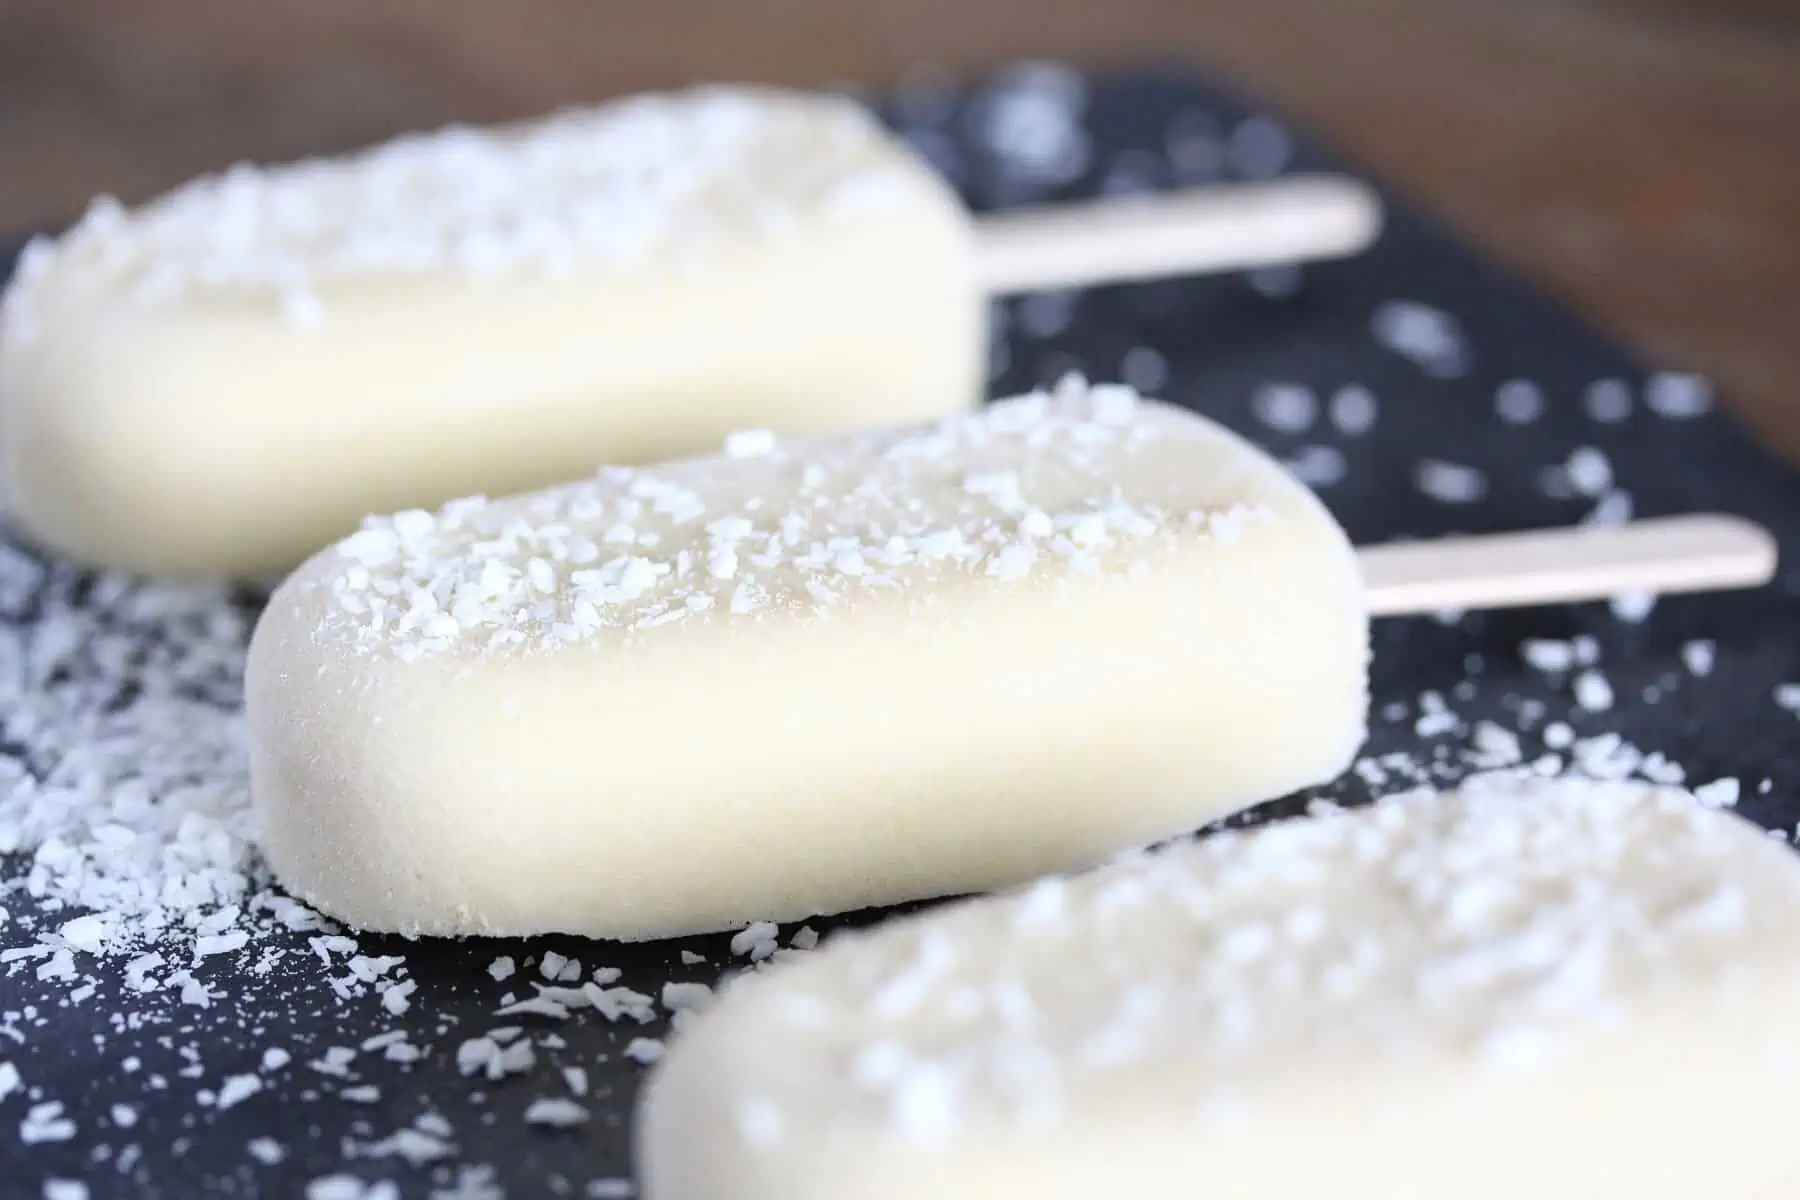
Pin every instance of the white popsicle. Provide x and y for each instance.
(232, 376)
(807, 679)
(1556, 989)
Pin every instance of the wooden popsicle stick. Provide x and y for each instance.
(1228, 227)
(1701, 552)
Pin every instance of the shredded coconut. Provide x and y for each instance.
(1515, 917)
(1285, 407)
(1678, 396)
(653, 179)
(1450, 483)
(1353, 410)
(556, 1112)
(1698, 655)
(870, 516)
(1593, 692)
(1429, 337)
(1607, 401)
(1519, 402)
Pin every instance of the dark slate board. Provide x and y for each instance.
(1220, 338)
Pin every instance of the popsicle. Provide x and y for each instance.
(1561, 989)
(870, 668)
(230, 377)
(804, 679)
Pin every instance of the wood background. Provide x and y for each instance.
(1639, 157)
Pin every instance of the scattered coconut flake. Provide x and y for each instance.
(644, 1050)
(1698, 655)
(556, 1112)
(349, 1187)
(397, 997)
(1317, 466)
(1677, 396)
(1614, 508)
(1632, 607)
(1435, 717)
(236, 1090)
(755, 936)
(696, 997)
(1495, 747)
(1519, 402)
(1607, 401)
(1449, 483)
(1589, 471)
(1720, 793)
(1353, 410)
(45, 1122)
(417, 1147)
(1428, 337)
(1547, 654)
(1029, 119)
(1285, 407)
(1145, 369)
(1593, 692)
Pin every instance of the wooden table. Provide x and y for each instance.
(1642, 159)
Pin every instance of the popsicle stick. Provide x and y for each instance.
(1701, 552)
(1222, 228)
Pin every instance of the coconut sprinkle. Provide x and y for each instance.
(1353, 410)
(1677, 396)
(1607, 401)
(794, 533)
(652, 179)
(1318, 466)
(1364, 938)
(1593, 692)
(1519, 402)
(1429, 337)
(1699, 655)
(1450, 483)
(1285, 407)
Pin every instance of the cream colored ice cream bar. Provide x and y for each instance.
(806, 679)
(1556, 989)
(232, 376)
